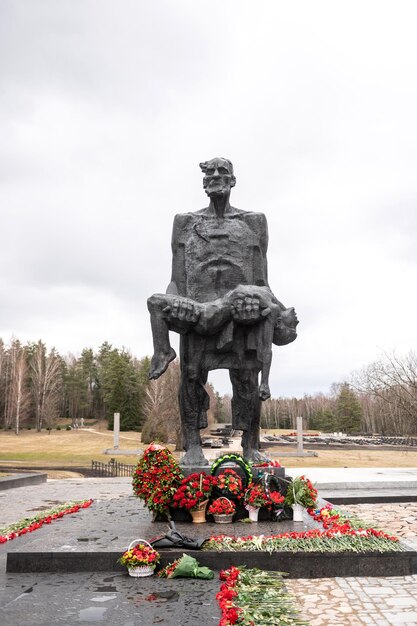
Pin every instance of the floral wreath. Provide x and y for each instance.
(237, 458)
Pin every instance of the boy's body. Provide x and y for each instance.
(179, 314)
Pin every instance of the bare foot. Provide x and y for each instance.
(264, 391)
(194, 457)
(160, 362)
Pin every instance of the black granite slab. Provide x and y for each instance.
(93, 539)
(22, 480)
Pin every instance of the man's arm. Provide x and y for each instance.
(177, 284)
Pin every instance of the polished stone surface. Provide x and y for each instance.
(114, 598)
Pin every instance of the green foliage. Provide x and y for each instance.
(348, 410)
(324, 420)
(301, 491)
(122, 389)
(220, 414)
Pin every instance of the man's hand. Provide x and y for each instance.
(183, 310)
(246, 309)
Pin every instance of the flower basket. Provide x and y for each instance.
(222, 510)
(193, 494)
(199, 514)
(223, 519)
(140, 572)
(140, 558)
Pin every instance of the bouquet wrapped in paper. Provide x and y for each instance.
(186, 567)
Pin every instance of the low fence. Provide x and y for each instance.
(111, 469)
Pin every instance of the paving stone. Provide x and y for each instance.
(379, 591)
(408, 618)
(400, 601)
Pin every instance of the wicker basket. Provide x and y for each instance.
(199, 514)
(223, 518)
(141, 570)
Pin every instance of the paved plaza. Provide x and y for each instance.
(114, 598)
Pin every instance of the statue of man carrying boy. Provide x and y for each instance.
(220, 302)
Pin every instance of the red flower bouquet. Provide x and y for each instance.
(156, 478)
(230, 483)
(276, 498)
(194, 491)
(256, 497)
(222, 506)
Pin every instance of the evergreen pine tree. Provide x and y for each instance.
(348, 410)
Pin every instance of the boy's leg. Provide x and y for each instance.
(163, 352)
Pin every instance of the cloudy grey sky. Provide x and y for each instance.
(108, 107)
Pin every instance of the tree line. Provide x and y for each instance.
(38, 385)
(379, 398)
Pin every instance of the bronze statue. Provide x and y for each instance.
(220, 302)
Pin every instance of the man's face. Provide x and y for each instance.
(218, 179)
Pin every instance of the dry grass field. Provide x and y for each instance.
(351, 458)
(69, 449)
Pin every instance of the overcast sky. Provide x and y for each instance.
(107, 108)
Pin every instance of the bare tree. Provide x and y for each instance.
(19, 401)
(388, 389)
(2, 380)
(161, 408)
(46, 383)
(227, 407)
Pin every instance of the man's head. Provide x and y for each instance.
(218, 177)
